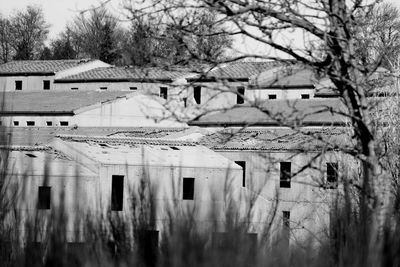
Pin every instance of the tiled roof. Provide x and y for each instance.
(127, 140)
(307, 112)
(277, 139)
(61, 102)
(42, 136)
(236, 71)
(126, 74)
(284, 77)
(39, 66)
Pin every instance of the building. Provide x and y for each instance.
(84, 108)
(39, 75)
(153, 81)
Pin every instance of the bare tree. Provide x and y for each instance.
(29, 30)
(5, 40)
(97, 34)
(327, 37)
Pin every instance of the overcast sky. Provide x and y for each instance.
(59, 12)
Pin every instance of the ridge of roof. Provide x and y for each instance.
(65, 102)
(126, 74)
(39, 67)
(127, 140)
(235, 71)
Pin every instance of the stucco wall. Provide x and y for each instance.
(29, 83)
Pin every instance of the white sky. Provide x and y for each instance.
(59, 12)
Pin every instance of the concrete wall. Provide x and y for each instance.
(29, 83)
(308, 200)
(216, 95)
(40, 121)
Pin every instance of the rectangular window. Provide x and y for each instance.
(184, 102)
(132, 88)
(30, 123)
(44, 197)
(46, 85)
(103, 88)
(285, 174)
(197, 94)
(18, 85)
(64, 123)
(49, 123)
(243, 165)
(188, 189)
(164, 92)
(240, 95)
(117, 192)
(305, 96)
(286, 218)
(74, 88)
(331, 172)
(271, 96)
(16, 123)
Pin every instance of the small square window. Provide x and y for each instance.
(18, 85)
(49, 123)
(271, 96)
(63, 123)
(132, 88)
(243, 165)
(164, 92)
(30, 123)
(44, 197)
(188, 189)
(74, 88)
(46, 85)
(103, 88)
(16, 123)
(197, 94)
(305, 96)
(285, 174)
(117, 192)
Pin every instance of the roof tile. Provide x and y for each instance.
(39, 66)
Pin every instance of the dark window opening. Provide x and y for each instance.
(30, 123)
(286, 219)
(271, 96)
(188, 189)
(30, 155)
(117, 192)
(49, 123)
(240, 95)
(133, 88)
(285, 174)
(44, 197)
(103, 88)
(331, 172)
(147, 245)
(243, 165)
(16, 123)
(197, 94)
(185, 102)
(174, 148)
(18, 85)
(305, 96)
(164, 92)
(63, 123)
(46, 85)
(74, 88)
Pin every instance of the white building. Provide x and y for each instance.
(84, 108)
(39, 75)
